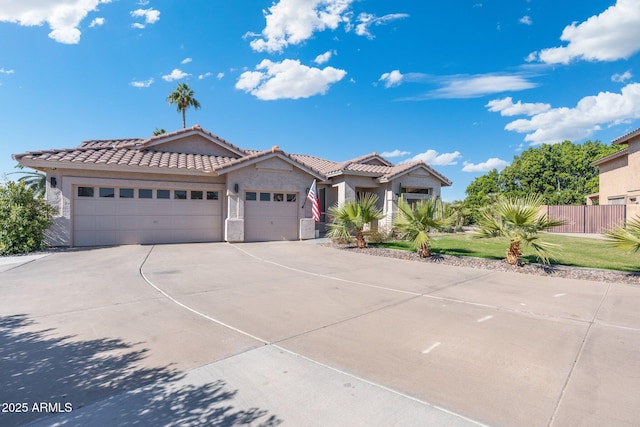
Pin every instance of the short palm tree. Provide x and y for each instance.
(625, 238)
(351, 217)
(33, 180)
(415, 222)
(183, 98)
(519, 220)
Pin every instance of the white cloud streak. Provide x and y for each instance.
(294, 21)
(621, 78)
(612, 35)
(142, 84)
(63, 16)
(176, 74)
(506, 107)
(97, 22)
(6, 71)
(475, 86)
(324, 58)
(432, 157)
(288, 79)
(151, 16)
(391, 79)
(490, 164)
(588, 116)
(186, 61)
(395, 153)
(368, 20)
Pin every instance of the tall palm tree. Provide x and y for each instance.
(352, 217)
(33, 180)
(183, 98)
(519, 220)
(625, 238)
(415, 222)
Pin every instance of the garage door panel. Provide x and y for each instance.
(270, 220)
(113, 221)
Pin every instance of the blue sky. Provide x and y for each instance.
(463, 85)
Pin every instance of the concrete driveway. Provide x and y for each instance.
(293, 333)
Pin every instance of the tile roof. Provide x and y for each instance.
(626, 137)
(610, 157)
(137, 152)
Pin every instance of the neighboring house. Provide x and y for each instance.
(619, 177)
(192, 186)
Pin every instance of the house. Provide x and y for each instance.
(620, 173)
(193, 186)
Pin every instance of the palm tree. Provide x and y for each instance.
(415, 222)
(33, 180)
(460, 212)
(519, 220)
(626, 238)
(183, 98)
(352, 217)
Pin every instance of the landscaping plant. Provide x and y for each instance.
(351, 217)
(626, 238)
(518, 219)
(416, 221)
(23, 218)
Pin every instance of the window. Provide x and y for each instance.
(291, 197)
(145, 193)
(106, 192)
(278, 197)
(85, 191)
(265, 197)
(212, 195)
(616, 200)
(196, 195)
(180, 194)
(162, 194)
(250, 195)
(126, 193)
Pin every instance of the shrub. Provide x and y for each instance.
(23, 219)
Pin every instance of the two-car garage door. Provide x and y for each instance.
(117, 215)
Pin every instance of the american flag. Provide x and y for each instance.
(315, 202)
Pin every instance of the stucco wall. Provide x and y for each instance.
(195, 144)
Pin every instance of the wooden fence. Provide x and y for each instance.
(587, 219)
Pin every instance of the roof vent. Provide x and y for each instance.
(274, 148)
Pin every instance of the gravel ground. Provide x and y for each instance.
(578, 273)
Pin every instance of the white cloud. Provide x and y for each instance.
(287, 80)
(506, 107)
(204, 76)
(294, 21)
(474, 86)
(612, 35)
(367, 20)
(591, 112)
(393, 78)
(186, 60)
(490, 164)
(143, 83)
(63, 16)
(176, 74)
(5, 71)
(395, 153)
(324, 58)
(220, 75)
(621, 78)
(526, 20)
(97, 22)
(431, 157)
(151, 16)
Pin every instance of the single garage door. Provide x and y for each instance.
(105, 215)
(270, 215)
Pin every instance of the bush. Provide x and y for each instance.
(23, 219)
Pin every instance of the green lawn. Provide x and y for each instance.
(572, 251)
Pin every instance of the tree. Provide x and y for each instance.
(416, 221)
(625, 238)
(482, 192)
(35, 180)
(460, 213)
(518, 220)
(159, 132)
(352, 217)
(23, 219)
(182, 98)
(561, 173)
